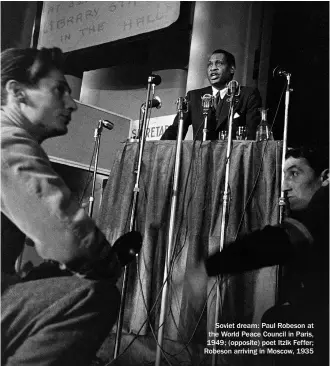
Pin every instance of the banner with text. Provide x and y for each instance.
(72, 25)
(155, 129)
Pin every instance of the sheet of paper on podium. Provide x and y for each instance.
(77, 145)
(156, 127)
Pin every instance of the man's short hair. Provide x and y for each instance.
(28, 66)
(317, 157)
(229, 56)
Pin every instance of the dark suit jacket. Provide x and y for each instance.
(246, 107)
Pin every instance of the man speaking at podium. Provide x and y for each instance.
(220, 71)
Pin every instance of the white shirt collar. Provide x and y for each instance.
(223, 92)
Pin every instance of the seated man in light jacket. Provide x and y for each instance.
(63, 310)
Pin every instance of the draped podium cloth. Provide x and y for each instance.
(254, 191)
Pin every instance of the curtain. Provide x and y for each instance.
(254, 190)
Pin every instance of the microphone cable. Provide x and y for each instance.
(225, 278)
(174, 256)
(177, 256)
(164, 352)
(89, 177)
(167, 279)
(185, 345)
(141, 327)
(176, 252)
(136, 158)
(141, 286)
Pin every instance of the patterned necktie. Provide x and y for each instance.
(216, 100)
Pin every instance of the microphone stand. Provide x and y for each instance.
(97, 137)
(181, 103)
(284, 148)
(136, 190)
(282, 200)
(218, 306)
(207, 103)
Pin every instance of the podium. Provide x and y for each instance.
(255, 188)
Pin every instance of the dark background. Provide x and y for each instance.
(300, 44)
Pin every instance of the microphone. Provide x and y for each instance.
(233, 88)
(154, 103)
(278, 71)
(154, 79)
(207, 102)
(127, 247)
(182, 104)
(106, 124)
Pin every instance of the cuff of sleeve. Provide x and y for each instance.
(298, 233)
(216, 264)
(106, 268)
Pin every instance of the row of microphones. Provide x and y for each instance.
(208, 100)
(233, 89)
